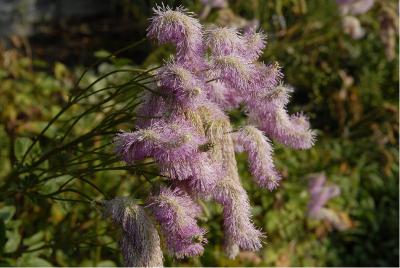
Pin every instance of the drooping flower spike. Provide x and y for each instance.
(176, 147)
(239, 230)
(235, 71)
(176, 212)
(259, 150)
(182, 85)
(140, 242)
(273, 119)
(224, 41)
(255, 43)
(180, 28)
(188, 134)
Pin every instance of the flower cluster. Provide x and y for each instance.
(186, 131)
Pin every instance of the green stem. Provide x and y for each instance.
(70, 103)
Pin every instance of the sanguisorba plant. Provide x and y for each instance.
(183, 126)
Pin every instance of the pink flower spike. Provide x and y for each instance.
(260, 160)
(176, 213)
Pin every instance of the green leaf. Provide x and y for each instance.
(61, 258)
(33, 261)
(120, 62)
(60, 70)
(14, 239)
(7, 262)
(53, 184)
(21, 145)
(34, 239)
(102, 53)
(6, 213)
(3, 74)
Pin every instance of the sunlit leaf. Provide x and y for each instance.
(102, 53)
(13, 241)
(34, 239)
(34, 261)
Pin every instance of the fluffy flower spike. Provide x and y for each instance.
(255, 43)
(236, 71)
(291, 130)
(189, 136)
(239, 230)
(259, 149)
(225, 41)
(176, 212)
(185, 87)
(140, 243)
(175, 146)
(177, 27)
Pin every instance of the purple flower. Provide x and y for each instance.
(320, 194)
(317, 181)
(151, 109)
(239, 231)
(187, 89)
(291, 130)
(225, 42)
(140, 242)
(185, 130)
(235, 71)
(264, 82)
(176, 147)
(132, 146)
(259, 150)
(255, 43)
(177, 27)
(176, 212)
(223, 95)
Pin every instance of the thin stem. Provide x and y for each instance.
(75, 87)
(85, 113)
(44, 130)
(60, 191)
(101, 78)
(85, 181)
(107, 58)
(70, 200)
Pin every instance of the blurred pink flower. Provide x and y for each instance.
(352, 27)
(355, 7)
(320, 194)
(215, 3)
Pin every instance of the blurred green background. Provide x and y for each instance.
(348, 87)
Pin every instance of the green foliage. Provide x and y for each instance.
(57, 158)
